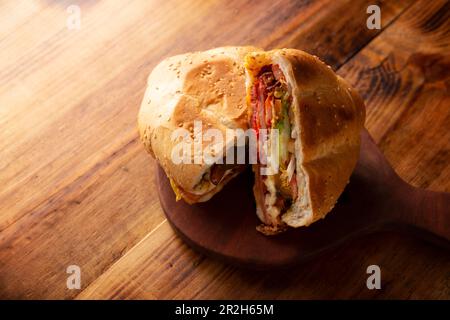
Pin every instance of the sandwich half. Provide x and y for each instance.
(199, 90)
(318, 118)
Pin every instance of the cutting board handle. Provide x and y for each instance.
(425, 209)
(398, 201)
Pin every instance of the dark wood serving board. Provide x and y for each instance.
(375, 199)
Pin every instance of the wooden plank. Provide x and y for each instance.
(77, 187)
(404, 76)
(337, 31)
(161, 266)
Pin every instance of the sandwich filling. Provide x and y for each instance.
(271, 109)
(218, 173)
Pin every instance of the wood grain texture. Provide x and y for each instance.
(78, 188)
(403, 75)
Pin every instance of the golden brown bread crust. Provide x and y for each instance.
(329, 116)
(208, 86)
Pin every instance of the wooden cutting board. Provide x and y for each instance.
(77, 188)
(375, 199)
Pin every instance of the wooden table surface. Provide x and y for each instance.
(77, 187)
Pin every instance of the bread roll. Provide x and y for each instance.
(206, 86)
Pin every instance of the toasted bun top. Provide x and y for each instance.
(329, 116)
(204, 86)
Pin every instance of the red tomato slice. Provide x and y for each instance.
(268, 108)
